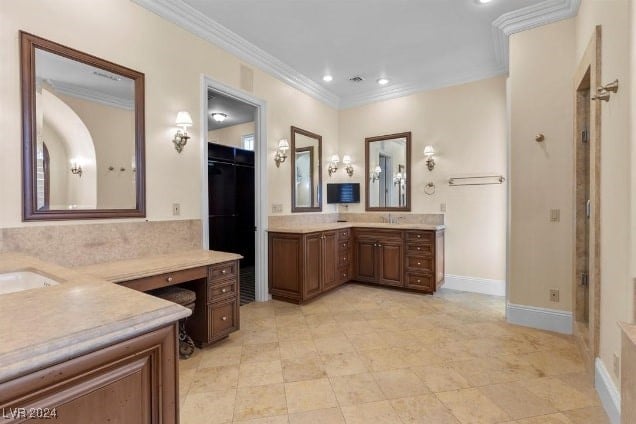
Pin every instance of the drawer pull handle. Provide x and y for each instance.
(223, 291)
(224, 272)
(224, 318)
(169, 279)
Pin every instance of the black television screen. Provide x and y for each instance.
(343, 193)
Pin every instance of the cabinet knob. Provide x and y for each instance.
(223, 291)
(419, 236)
(419, 281)
(224, 271)
(224, 318)
(379, 245)
(169, 279)
(419, 248)
(344, 275)
(419, 263)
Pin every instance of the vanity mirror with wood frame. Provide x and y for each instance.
(82, 134)
(306, 174)
(388, 171)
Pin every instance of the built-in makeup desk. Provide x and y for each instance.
(213, 276)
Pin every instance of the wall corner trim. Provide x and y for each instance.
(195, 22)
(543, 13)
(475, 285)
(607, 391)
(541, 318)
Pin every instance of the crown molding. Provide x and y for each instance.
(91, 95)
(400, 90)
(190, 19)
(543, 13)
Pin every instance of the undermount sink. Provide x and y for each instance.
(11, 282)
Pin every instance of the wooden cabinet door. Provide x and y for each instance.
(365, 260)
(390, 263)
(313, 263)
(330, 260)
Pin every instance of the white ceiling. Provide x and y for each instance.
(417, 44)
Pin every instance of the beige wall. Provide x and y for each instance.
(467, 126)
(231, 136)
(617, 296)
(150, 45)
(541, 173)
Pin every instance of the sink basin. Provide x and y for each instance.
(11, 282)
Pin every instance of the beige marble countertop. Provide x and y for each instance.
(44, 326)
(131, 269)
(629, 330)
(312, 228)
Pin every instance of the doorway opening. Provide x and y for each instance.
(234, 183)
(586, 286)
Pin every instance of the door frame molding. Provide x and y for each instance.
(591, 60)
(260, 173)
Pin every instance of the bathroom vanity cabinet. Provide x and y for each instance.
(301, 264)
(133, 382)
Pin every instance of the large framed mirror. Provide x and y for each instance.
(306, 175)
(82, 134)
(388, 171)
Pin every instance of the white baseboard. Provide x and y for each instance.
(541, 318)
(607, 391)
(475, 285)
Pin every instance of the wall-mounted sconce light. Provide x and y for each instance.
(375, 174)
(333, 164)
(76, 167)
(429, 152)
(346, 160)
(219, 117)
(181, 137)
(281, 152)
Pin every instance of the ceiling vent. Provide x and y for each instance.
(357, 78)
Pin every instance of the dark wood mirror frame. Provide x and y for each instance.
(292, 150)
(28, 44)
(367, 170)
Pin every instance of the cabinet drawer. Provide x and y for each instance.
(420, 236)
(344, 274)
(224, 289)
(419, 263)
(344, 234)
(344, 244)
(424, 282)
(344, 257)
(222, 318)
(424, 249)
(222, 271)
(167, 279)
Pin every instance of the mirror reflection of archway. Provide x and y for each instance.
(67, 142)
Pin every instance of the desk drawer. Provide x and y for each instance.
(223, 270)
(222, 319)
(220, 290)
(167, 279)
(344, 257)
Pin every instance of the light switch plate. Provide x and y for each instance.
(555, 215)
(176, 209)
(442, 207)
(277, 208)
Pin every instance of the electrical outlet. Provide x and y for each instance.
(442, 207)
(176, 209)
(554, 295)
(555, 215)
(277, 208)
(617, 365)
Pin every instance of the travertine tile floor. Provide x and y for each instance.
(370, 355)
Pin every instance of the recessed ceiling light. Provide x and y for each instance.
(383, 81)
(327, 78)
(219, 117)
(483, 1)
